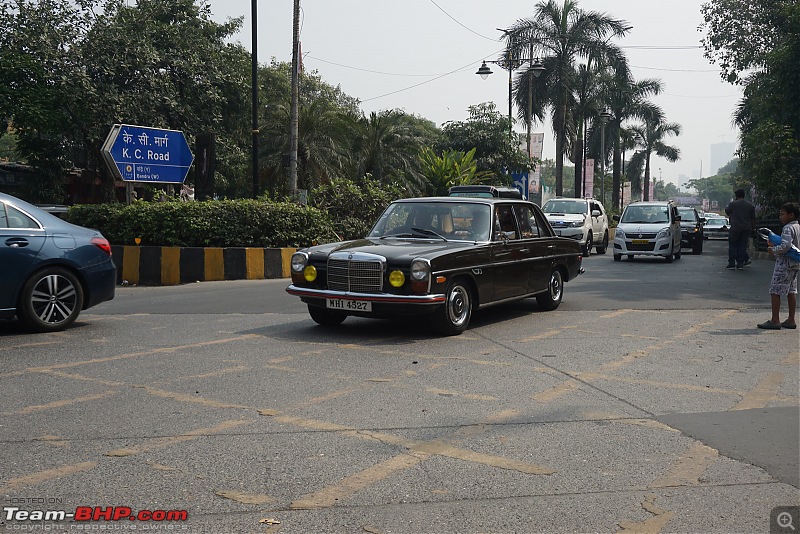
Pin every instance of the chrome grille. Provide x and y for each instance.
(355, 275)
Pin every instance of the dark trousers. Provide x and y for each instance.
(737, 246)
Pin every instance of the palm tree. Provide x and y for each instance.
(650, 138)
(627, 100)
(560, 34)
(387, 146)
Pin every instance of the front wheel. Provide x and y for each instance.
(601, 249)
(454, 316)
(587, 248)
(552, 297)
(669, 257)
(51, 300)
(617, 257)
(325, 317)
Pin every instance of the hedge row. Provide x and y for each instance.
(214, 223)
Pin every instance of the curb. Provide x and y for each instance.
(168, 266)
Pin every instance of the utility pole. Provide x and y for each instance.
(295, 101)
(254, 54)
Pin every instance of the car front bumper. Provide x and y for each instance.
(578, 234)
(653, 247)
(383, 304)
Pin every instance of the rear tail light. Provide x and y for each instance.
(103, 244)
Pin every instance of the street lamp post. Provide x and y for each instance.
(604, 116)
(534, 71)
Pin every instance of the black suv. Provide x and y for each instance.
(691, 229)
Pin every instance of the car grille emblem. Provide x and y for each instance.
(640, 236)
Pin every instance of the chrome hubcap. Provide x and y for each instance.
(53, 299)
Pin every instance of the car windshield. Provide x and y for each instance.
(687, 215)
(565, 207)
(434, 220)
(717, 221)
(645, 214)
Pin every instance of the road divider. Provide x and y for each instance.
(165, 266)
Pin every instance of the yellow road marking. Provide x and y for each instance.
(351, 485)
(218, 372)
(244, 498)
(59, 404)
(32, 344)
(792, 359)
(160, 443)
(760, 396)
(653, 525)
(192, 399)
(45, 476)
(543, 335)
(617, 313)
(688, 469)
(450, 393)
(555, 392)
(160, 350)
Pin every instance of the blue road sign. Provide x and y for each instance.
(142, 154)
(521, 182)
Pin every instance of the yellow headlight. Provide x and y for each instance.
(397, 278)
(310, 273)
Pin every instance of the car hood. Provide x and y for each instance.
(642, 228)
(566, 217)
(392, 248)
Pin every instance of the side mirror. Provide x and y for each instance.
(703, 220)
(615, 218)
(596, 213)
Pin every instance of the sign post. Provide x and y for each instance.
(151, 155)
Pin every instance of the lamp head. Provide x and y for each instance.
(484, 71)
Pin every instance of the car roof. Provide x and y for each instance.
(41, 216)
(462, 200)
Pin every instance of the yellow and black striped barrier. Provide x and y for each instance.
(165, 266)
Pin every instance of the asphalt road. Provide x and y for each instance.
(647, 402)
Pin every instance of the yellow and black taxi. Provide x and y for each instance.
(443, 256)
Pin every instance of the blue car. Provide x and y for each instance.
(50, 269)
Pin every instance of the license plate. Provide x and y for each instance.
(350, 305)
(640, 241)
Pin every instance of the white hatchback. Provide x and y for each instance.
(581, 219)
(648, 229)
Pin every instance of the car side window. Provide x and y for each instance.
(507, 225)
(527, 223)
(3, 218)
(17, 219)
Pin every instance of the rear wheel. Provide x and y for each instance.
(325, 317)
(552, 297)
(453, 318)
(51, 300)
(603, 247)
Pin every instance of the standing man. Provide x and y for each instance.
(742, 216)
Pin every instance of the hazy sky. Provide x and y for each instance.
(421, 56)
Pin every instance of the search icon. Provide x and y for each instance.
(785, 520)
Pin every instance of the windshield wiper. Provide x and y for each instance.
(425, 231)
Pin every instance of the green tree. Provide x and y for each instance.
(387, 145)
(651, 138)
(560, 34)
(487, 131)
(719, 187)
(762, 37)
(451, 168)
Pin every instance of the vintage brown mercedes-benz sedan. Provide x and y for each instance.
(443, 256)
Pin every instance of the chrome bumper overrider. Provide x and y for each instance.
(371, 297)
